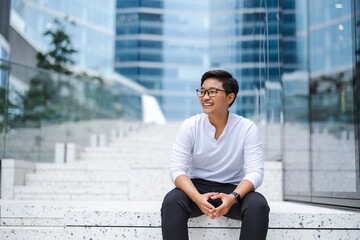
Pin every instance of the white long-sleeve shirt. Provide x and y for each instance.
(236, 155)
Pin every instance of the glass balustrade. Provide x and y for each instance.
(40, 108)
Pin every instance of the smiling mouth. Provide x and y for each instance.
(207, 104)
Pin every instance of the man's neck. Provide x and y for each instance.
(219, 121)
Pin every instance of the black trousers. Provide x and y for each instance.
(177, 208)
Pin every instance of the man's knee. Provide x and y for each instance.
(174, 199)
(255, 201)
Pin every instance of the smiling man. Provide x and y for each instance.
(216, 165)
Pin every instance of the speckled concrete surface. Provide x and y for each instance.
(110, 233)
(206, 233)
(32, 233)
(282, 215)
(55, 222)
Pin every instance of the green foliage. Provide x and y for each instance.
(9, 108)
(329, 84)
(61, 51)
(53, 97)
(37, 100)
(332, 98)
(86, 76)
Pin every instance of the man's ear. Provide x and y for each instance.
(231, 97)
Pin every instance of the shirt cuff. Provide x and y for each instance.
(255, 178)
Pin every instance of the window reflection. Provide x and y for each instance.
(319, 103)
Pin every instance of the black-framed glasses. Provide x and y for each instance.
(211, 92)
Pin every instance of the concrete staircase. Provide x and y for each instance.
(115, 192)
(78, 181)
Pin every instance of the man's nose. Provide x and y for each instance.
(207, 94)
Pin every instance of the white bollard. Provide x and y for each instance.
(102, 140)
(59, 152)
(93, 140)
(113, 135)
(70, 152)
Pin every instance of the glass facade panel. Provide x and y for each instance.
(321, 158)
(296, 141)
(4, 54)
(357, 91)
(91, 27)
(197, 35)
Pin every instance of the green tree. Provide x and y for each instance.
(86, 76)
(42, 100)
(60, 53)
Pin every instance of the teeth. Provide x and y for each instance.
(207, 104)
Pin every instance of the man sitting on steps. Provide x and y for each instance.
(216, 165)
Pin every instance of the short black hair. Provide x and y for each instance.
(229, 83)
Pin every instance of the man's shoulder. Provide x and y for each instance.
(240, 119)
(195, 119)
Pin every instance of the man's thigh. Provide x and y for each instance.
(236, 211)
(177, 197)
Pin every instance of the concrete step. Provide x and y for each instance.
(90, 165)
(86, 176)
(128, 155)
(32, 233)
(287, 221)
(66, 197)
(141, 220)
(121, 150)
(106, 170)
(37, 209)
(78, 184)
(132, 233)
(123, 158)
(73, 188)
(143, 143)
(15, 222)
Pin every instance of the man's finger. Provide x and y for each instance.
(217, 196)
(219, 208)
(219, 214)
(210, 206)
(211, 194)
(218, 211)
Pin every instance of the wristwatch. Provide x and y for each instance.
(237, 197)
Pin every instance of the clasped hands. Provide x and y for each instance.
(209, 210)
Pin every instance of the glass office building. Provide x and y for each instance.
(297, 63)
(167, 45)
(321, 96)
(92, 33)
(4, 54)
(4, 42)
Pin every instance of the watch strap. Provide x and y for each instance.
(237, 197)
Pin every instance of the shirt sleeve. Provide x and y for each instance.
(253, 157)
(182, 151)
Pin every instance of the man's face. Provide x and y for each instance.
(218, 103)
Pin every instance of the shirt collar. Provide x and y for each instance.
(212, 128)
